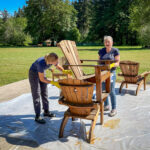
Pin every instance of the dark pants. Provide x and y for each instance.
(38, 89)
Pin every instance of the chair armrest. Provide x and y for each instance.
(110, 61)
(120, 74)
(144, 74)
(102, 67)
(82, 60)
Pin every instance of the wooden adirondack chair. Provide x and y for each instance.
(130, 73)
(62, 61)
(78, 97)
(70, 52)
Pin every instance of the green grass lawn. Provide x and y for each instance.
(15, 62)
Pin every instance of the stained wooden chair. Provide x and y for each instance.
(71, 54)
(62, 61)
(130, 74)
(78, 97)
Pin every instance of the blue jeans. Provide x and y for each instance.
(112, 92)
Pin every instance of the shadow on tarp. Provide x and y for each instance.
(54, 97)
(125, 91)
(23, 130)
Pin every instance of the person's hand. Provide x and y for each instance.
(52, 70)
(55, 84)
(112, 65)
(67, 72)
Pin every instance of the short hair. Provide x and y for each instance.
(51, 57)
(108, 38)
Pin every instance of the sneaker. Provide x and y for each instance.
(106, 108)
(112, 113)
(40, 120)
(49, 114)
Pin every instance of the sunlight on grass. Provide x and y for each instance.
(15, 62)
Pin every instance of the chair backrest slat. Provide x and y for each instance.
(76, 51)
(70, 52)
(129, 70)
(62, 61)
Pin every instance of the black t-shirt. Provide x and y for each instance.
(108, 56)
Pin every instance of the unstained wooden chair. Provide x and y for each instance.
(129, 71)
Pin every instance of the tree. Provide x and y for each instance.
(144, 35)
(111, 17)
(20, 12)
(5, 15)
(140, 20)
(49, 19)
(1, 29)
(73, 34)
(13, 32)
(83, 8)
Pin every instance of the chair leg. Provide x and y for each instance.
(144, 83)
(102, 112)
(63, 124)
(126, 85)
(53, 77)
(121, 86)
(93, 126)
(73, 119)
(61, 94)
(58, 77)
(138, 88)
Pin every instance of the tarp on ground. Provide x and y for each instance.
(128, 130)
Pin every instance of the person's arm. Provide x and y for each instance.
(117, 58)
(68, 72)
(43, 78)
(116, 64)
(60, 68)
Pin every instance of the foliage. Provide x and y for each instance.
(144, 35)
(140, 20)
(84, 21)
(73, 35)
(83, 8)
(49, 19)
(111, 17)
(12, 32)
(4, 15)
(20, 12)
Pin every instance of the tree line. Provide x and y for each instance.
(84, 21)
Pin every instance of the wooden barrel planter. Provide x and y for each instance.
(78, 95)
